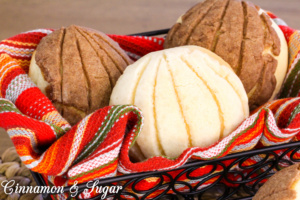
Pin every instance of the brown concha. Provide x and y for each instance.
(244, 36)
(80, 67)
(283, 185)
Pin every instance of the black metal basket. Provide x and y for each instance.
(243, 188)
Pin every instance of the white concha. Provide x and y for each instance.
(188, 95)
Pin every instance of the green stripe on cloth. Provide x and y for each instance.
(292, 84)
(293, 114)
(6, 105)
(100, 135)
(114, 114)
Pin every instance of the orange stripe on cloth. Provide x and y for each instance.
(22, 148)
(7, 64)
(54, 117)
(252, 133)
(100, 172)
(50, 156)
(24, 64)
(20, 43)
(271, 137)
(245, 138)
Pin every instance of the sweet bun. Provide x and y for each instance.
(284, 185)
(244, 36)
(188, 95)
(77, 68)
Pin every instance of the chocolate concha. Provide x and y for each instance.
(77, 68)
(244, 36)
(283, 185)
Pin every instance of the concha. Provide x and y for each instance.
(188, 95)
(244, 36)
(77, 68)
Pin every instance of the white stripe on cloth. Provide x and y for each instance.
(116, 142)
(16, 48)
(107, 124)
(46, 31)
(76, 143)
(95, 163)
(17, 86)
(133, 55)
(36, 162)
(279, 21)
(25, 133)
(15, 54)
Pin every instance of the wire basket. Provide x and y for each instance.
(242, 189)
(226, 178)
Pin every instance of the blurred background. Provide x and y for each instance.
(113, 16)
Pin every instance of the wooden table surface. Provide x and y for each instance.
(110, 17)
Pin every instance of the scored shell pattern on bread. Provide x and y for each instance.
(244, 36)
(80, 67)
(188, 95)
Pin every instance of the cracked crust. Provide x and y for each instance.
(280, 185)
(81, 66)
(242, 35)
(47, 57)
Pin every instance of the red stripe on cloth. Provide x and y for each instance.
(276, 104)
(296, 122)
(137, 44)
(8, 77)
(161, 162)
(24, 146)
(249, 134)
(18, 57)
(92, 126)
(117, 132)
(32, 37)
(44, 133)
(272, 15)
(287, 31)
(285, 115)
(34, 103)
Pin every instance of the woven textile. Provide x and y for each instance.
(97, 147)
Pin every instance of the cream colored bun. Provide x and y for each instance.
(188, 95)
(282, 59)
(36, 75)
(285, 184)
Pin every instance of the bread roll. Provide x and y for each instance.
(244, 36)
(284, 185)
(188, 95)
(77, 68)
